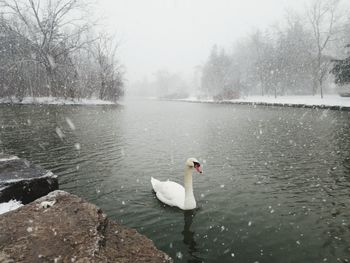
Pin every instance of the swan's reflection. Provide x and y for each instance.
(189, 236)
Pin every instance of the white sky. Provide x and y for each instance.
(178, 34)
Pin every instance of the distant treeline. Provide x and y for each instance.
(294, 56)
(50, 48)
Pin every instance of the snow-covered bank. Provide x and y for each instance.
(55, 101)
(328, 101)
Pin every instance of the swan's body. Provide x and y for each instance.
(174, 194)
(169, 193)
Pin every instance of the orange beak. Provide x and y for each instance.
(198, 168)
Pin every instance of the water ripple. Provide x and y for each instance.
(275, 186)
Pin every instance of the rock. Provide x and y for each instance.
(24, 181)
(61, 227)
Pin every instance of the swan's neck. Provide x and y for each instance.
(190, 202)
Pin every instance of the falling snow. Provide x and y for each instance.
(77, 146)
(179, 255)
(70, 123)
(60, 133)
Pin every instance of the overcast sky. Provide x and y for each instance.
(177, 35)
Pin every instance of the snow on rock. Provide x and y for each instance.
(24, 181)
(81, 233)
(9, 206)
(46, 204)
(52, 196)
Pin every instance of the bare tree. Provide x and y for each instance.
(109, 70)
(258, 45)
(324, 19)
(49, 48)
(294, 48)
(216, 76)
(53, 29)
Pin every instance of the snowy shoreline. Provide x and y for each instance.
(54, 101)
(328, 102)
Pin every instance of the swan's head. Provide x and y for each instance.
(193, 163)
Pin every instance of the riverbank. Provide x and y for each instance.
(35, 231)
(334, 102)
(54, 101)
(61, 227)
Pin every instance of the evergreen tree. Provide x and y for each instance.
(341, 70)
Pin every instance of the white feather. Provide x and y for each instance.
(174, 194)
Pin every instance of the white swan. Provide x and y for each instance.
(174, 194)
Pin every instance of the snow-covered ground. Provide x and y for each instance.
(328, 100)
(55, 101)
(9, 206)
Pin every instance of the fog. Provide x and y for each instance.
(178, 35)
(222, 50)
(254, 94)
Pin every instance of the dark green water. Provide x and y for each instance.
(276, 181)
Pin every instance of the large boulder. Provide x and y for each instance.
(61, 227)
(24, 181)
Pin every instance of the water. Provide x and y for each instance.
(275, 186)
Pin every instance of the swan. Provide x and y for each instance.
(174, 194)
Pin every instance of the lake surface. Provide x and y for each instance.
(275, 188)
